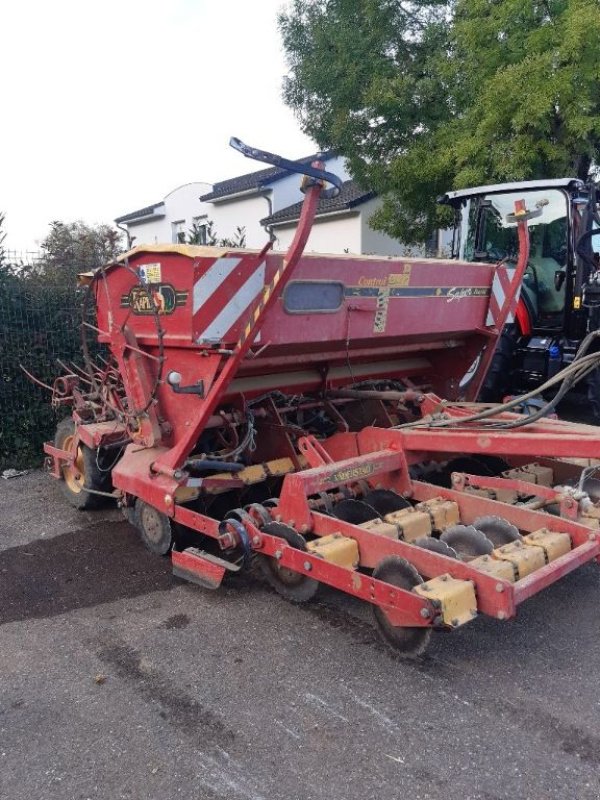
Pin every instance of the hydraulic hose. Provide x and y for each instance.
(579, 368)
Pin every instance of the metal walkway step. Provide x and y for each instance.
(200, 567)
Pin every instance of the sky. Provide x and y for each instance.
(109, 106)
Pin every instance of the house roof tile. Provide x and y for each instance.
(256, 180)
(147, 211)
(350, 196)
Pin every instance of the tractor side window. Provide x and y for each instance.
(304, 297)
(496, 239)
(554, 242)
(468, 230)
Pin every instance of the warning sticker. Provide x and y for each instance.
(151, 273)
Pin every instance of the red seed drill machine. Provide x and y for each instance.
(283, 413)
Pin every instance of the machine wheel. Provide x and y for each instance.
(385, 501)
(498, 530)
(354, 511)
(83, 474)
(289, 584)
(436, 546)
(129, 514)
(408, 642)
(154, 527)
(467, 541)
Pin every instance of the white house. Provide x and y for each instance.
(171, 219)
(266, 203)
(341, 225)
(246, 200)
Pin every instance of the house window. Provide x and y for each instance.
(301, 297)
(200, 230)
(178, 231)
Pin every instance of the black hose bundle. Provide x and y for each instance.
(581, 366)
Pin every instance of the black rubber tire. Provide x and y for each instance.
(154, 527)
(93, 477)
(497, 383)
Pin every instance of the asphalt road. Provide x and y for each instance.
(117, 681)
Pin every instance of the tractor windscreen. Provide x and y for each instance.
(485, 235)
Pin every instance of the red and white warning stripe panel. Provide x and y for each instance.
(502, 287)
(222, 295)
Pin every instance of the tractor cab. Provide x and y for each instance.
(551, 319)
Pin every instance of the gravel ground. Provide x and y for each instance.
(118, 681)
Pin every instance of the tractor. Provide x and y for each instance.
(557, 303)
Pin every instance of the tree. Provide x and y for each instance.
(422, 97)
(74, 247)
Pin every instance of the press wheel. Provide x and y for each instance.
(154, 527)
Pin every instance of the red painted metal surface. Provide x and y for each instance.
(556, 444)
(569, 506)
(544, 577)
(105, 433)
(403, 607)
(257, 310)
(526, 519)
(373, 547)
(57, 457)
(209, 343)
(194, 567)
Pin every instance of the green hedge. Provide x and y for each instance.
(39, 322)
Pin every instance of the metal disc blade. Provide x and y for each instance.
(354, 511)
(407, 642)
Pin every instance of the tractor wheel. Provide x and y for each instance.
(83, 474)
(407, 642)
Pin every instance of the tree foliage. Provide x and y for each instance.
(73, 247)
(422, 97)
(40, 319)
